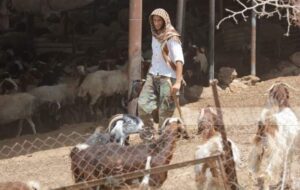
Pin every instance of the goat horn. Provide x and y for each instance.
(114, 119)
(181, 121)
(212, 110)
(163, 126)
(269, 89)
(201, 114)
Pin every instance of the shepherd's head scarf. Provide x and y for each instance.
(168, 31)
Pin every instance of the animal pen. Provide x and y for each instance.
(46, 158)
(61, 159)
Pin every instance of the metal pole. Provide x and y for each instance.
(134, 50)
(4, 17)
(221, 7)
(211, 46)
(180, 17)
(253, 42)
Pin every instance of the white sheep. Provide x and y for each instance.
(60, 94)
(104, 84)
(18, 107)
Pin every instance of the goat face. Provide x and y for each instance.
(279, 94)
(175, 125)
(207, 121)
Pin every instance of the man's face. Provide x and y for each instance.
(158, 22)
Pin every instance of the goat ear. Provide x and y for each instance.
(179, 121)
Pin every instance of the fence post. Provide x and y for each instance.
(229, 164)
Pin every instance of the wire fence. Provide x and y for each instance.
(49, 160)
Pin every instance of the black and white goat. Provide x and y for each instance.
(122, 125)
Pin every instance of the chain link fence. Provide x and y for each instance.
(48, 161)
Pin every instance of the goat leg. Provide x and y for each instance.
(20, 127)
(29, 120)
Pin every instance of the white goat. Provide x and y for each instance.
(274, 139)
(207, 174)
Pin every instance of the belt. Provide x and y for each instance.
(158, 76)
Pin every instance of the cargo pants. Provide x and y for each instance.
(156, 94)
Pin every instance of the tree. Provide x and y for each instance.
(287, 9)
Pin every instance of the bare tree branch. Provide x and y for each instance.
(288, 9)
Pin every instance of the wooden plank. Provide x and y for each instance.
(229, 164)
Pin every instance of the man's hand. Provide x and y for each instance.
(176, 87)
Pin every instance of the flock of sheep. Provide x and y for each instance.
(90, 88)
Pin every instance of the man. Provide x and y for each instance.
(165, 74)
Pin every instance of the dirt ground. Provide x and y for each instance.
(51, 165)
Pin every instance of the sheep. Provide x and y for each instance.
(103, 84)
(207, 174)
(122, 125)
(98, 161)
(19, 106)
(62, 93)
(30, 185)
(8, 86)
(277, 128)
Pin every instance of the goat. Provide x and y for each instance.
(122, 125)
(277, 129)
(207, 116)
(98, 139)
(96, 161)
(207, 174)
(18, 107)
(31, 185)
